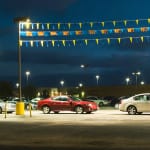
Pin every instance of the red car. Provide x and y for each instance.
(66, 103)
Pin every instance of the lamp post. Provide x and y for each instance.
(19, 107)
(97, 78)
(27, 74)
(62, 83)
(127, 80)
(136, 74)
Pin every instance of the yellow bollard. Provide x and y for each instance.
(20, 108)
(6, 109)
(30, 109)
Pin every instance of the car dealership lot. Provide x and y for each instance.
(103, 129)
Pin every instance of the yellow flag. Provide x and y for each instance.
(31, 43)
(103, 24)
(27, 25)
(114, 23)
(97, 41)
(108, 40)
(20, 43)
(69, 25)
(48, 25)
(58, 25)
(63, 42)
(142, 39)
(119, 40)
(137, 21)
(74, 42)
(125, 22)
(86, 41)
(53, 43)
(42, 43)
(37, 25)
(80, 25)
(131, 39)
(91, 24)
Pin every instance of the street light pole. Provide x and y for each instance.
(136, 74)
(19, 107)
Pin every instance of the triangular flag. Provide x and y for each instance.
(58, 25)
(97, 41)
(48, 25)
(53, 43)
(69, 25)
(42, 43)
(86, 41)
(37, 25)
(63, 42)
(114, 23)
(108, 40)
(119, 40)
(74, 42)
(31, 43)
(142, 39)
(125, 22)
(103, 24)
(80, 25)
(137, 21)
(91, 24)
(131, 39)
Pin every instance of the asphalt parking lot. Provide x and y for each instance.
(103, 129)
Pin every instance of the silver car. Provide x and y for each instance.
(7, 106)
(136, 104)
(98, 100)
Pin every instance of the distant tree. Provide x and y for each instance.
(6, 89)
(29, 91)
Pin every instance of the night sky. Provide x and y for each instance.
(48, 66)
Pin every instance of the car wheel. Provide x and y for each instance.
(79, 110)
(46, 109)
(0, 110)
(132, 110)
(101, 104)
(89, 112)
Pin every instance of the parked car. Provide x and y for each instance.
(16, 99)
(7, 106)
(98, 100)
(136, 104)
(33, 103)
(66, 103)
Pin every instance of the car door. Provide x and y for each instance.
(65, 103)
(142, 103)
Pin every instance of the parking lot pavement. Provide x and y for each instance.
(103, 129)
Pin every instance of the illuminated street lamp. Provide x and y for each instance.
(27, 74)
(136, 74)
(17, 85)
(97, 78)
(80, 84)
(142, 83)
(127, 80)
(62, 83)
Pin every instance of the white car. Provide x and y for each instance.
(98, 100)
(7, 106)
(136, 104)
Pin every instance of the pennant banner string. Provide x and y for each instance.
(58, 25)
